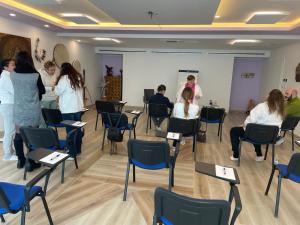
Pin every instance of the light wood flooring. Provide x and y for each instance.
(93, 194)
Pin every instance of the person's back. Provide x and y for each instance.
(178, 111)
(159, 97)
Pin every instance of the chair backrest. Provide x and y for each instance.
(158, 110)
(148, 93)
(39, 137)
(211, 114)
(261, 134)
(294, 165)
(113, 118)
(185, 127)
(53, 116)
(182, 210)
(150, 153)
(289, 123)
(105, 106)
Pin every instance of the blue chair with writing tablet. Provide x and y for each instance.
(47, 138)
(148, 155)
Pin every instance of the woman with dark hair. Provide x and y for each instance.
(69, 89)
(270, 112)
(28, 88)
(7, 107)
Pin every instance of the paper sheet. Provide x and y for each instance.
(174, 136)
(225, 172)
(79, 124)
(54, 158)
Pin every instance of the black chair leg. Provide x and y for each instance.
(133, 173)
(266, 153)
(219, 129)
(104, 133)
(170, 178)
(47, 210)
(293, 142)
(278, 196)
(147, 125)
(284, 134)
(270, 181)
(62, 179)
(23, 216)
(221, 132)
(96, 122)
(134, 134)
(240, 150)
(75, 161)
(2, 219)
(230, 194)
(126, 181)
(27, 163)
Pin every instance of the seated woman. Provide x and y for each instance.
(186, 109)
(270, 112)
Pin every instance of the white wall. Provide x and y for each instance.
(84, 53)
(148, 70)
(282, 64)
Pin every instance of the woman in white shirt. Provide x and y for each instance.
(270, 112)
(191, 83)
(186, 109)
(7, 107)
(69, 89)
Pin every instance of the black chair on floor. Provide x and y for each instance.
(16, 198)
(53, 118)
(103, 106)
(289, 124)
(47, 138)
(157, 111)
(147, 94)
(174, 209)
(290, 172)
(214, 116)
(261, 135)
(188, 128)
(148, 155)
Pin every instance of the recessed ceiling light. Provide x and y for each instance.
(266, 17)
(46, 25)
(12, 14)
(217, 17)
(245, 41)
(270, 13)
(107, 39)
(79, 15)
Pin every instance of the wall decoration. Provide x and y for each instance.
(248, 75)
(297, 77)
(60, 55)
(39, 54)
(76, 64)
(10, 45)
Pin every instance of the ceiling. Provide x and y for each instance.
(145, 23)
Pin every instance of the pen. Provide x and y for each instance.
(55, 157)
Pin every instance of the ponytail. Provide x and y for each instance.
(187, 95)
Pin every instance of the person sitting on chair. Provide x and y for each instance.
(197, 92)
(159, 98)
(270, 112)
(293, 102)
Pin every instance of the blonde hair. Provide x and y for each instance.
(187, 95)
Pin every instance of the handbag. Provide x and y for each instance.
(114, 133)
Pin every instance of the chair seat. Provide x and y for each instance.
(16, 196)
(149, 167)
(165, 221)
(62, 143)
(283, 170)
(210, 121)
(56, 125)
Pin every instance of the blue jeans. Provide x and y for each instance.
(74, 149)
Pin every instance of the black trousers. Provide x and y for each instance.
(235, 134)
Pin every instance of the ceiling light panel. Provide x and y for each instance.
(166, 12)
(244, 41)
(268, 17)
(107, 39)
(80, 18)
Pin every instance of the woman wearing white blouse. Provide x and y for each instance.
(7, 107)
(69, 89)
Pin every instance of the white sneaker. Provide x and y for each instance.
(232, 158)
(12, 158)
(70, 159)
(259, 158)
(280, 141)
(182, 141)
(158, 128)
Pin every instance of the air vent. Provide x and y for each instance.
(237, 53)
(176, 52)
(173, 41)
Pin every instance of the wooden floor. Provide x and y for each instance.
(93, 193)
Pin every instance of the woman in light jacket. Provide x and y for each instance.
(69, 89)
(6, 107)
(270, 112)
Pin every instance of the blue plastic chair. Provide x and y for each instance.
(290, 172)
(15, 198)
(148, 155)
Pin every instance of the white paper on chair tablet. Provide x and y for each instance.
(135, 112)
(174, 136)
(225, 172)
(79, 124)
(54, 158)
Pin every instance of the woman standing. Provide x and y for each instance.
(270, 112)
(69, 89)
(29, 88)
(6, 107)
